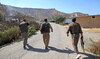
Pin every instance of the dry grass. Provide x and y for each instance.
(91, 29)
(95, 47)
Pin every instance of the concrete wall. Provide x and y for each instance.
(89, 21)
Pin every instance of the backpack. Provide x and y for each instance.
(45, 28)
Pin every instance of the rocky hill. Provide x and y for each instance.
(39, 13)
(3, 12)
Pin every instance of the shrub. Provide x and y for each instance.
(53, 21)
(95, 47)
(31, 30)
(35, 24)
(0, 37)
(63, 24)
(8, 35)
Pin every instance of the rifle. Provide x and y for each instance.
(82, 43)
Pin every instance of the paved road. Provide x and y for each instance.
(35, 50)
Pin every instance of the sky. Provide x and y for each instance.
(91, 7)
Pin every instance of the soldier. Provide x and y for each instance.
(76, 31)
(45, 30)
(23, 28)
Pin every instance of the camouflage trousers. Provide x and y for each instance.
(25, 37)
(46, 38)
(75, 39)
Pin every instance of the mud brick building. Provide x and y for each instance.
(89, 21)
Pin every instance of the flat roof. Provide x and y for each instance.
(86, 16)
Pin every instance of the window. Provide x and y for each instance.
(93, 16)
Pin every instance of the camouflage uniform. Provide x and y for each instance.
(46, 35)
(75, 30)
(24, 31)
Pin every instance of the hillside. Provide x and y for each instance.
(38, 13)
(3, 12)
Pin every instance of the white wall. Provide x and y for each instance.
(68, 21)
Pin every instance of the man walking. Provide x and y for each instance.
(23, 28)
(45, 30)
(75, 30)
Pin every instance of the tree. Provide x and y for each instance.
(59, 18)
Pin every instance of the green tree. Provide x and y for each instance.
(59, 18)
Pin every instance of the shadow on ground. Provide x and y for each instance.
(61, 50)
(30, 48)
(89, 56)
(67, 50)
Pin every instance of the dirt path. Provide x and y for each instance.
(57, 47)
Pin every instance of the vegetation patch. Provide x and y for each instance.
(8, 35)
(95, 47)
(9, 32)
(64, 24)
(31, 30)
(59, 18)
